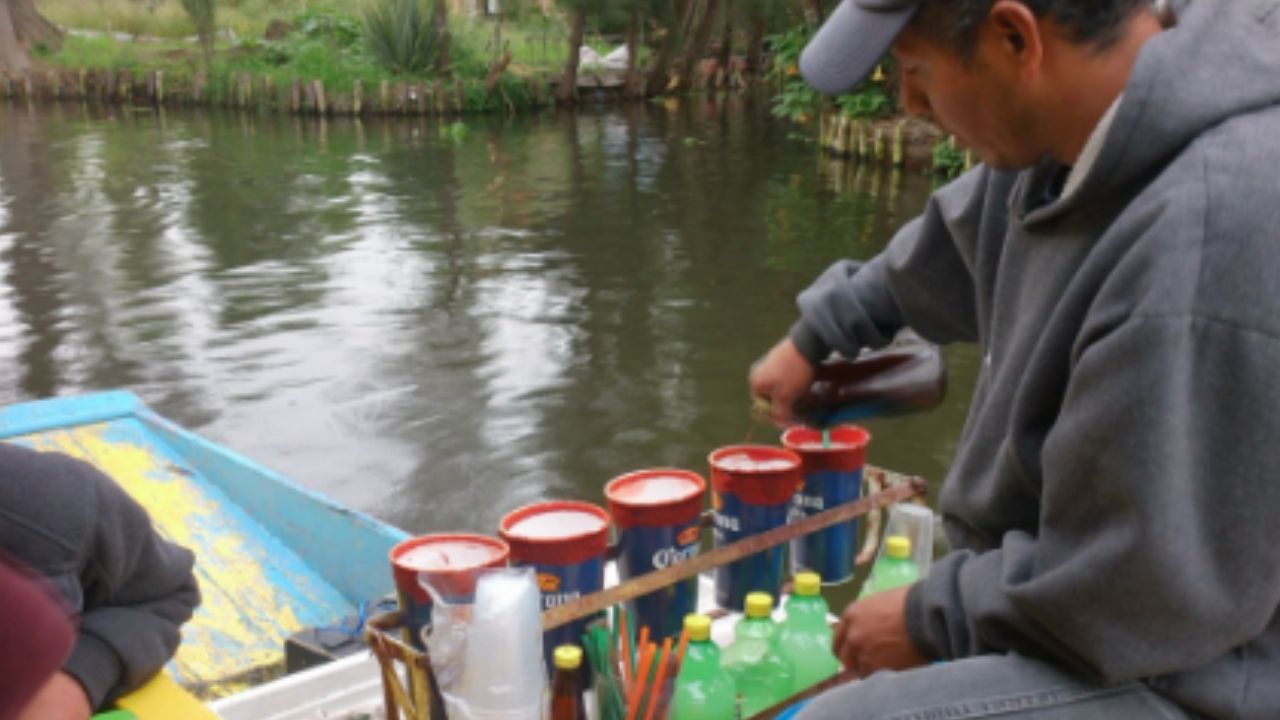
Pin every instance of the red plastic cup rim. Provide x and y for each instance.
(612, 490)
(758, 486)
(844, 438)
(457, 581)
(756, 453)
(677, 509)
(528, 511)
(567, 549)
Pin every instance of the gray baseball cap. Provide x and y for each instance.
(851, 42)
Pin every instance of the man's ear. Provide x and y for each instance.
(1015, 37)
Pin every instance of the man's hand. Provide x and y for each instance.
(872, 635)
(781, 377)
(60, 698)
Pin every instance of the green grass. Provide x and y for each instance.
(325, 47)
(167, 19)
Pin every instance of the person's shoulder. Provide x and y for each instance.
(34, 483)
(1217, 222)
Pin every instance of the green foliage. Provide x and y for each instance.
(797, 101)
(868, 101)
(401, 35)
(948, 160)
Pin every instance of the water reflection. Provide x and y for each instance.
(434, 330)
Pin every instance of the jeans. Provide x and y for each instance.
(990, 686)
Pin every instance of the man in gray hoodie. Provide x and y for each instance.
(129, 590)
(1114, 519)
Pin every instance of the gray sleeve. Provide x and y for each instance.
(1156, 548)
(138, 590)
(924, 279)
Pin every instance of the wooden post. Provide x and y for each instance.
(843, 128)
(244, 91)
(198, 82)
(899, 153)
(80, 86)
(384, 97)
(442, 98)
(429, 99)
(124, 84)
(862, 140)
(270, 98)
(54, 80)
(357, 97)
(295, 97)
(317, 89)
(877, 147)
(109, 86)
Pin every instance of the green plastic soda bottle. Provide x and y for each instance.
(804, 638)
(762, 676)
(895, 567)
(704, 691)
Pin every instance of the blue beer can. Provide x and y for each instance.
(657, 513)
(751, 492)
(565, 542)
(832, 476)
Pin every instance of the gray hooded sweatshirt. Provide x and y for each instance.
(130, 589)
(1114, 504)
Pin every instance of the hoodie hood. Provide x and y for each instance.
(1221, 60)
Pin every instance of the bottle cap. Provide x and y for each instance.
(897, 547)
(759, 605)
(698, 627)
(808, 583)
(568, 657)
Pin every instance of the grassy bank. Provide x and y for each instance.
(323, 41)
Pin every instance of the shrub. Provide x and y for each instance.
(948, 160)
(401, 35)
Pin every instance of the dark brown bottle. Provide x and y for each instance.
(566, 684)
(908, 376)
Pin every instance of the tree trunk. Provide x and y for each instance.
(440, 17)
(631, 87)
(22, 28)
(660, 71)
(813, 12)
(569, 79)
(725, 56)
(697, 43)
(755, 44)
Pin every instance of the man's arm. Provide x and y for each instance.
(925, 279)
(138, 591)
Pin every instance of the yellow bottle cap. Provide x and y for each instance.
(568, 657)
(698, 627)
(898, 547)
(759, 604)
(808, 583)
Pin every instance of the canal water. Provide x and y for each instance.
(435, 325)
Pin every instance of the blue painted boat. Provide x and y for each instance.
(271, 557)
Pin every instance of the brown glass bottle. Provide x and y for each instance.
(566, 684)
(908, 376)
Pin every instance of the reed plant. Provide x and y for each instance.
(401, 35)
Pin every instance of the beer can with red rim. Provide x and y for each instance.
(658, 513)
(832, 476)
(450, 562)
(751, 492)
(565, 541)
